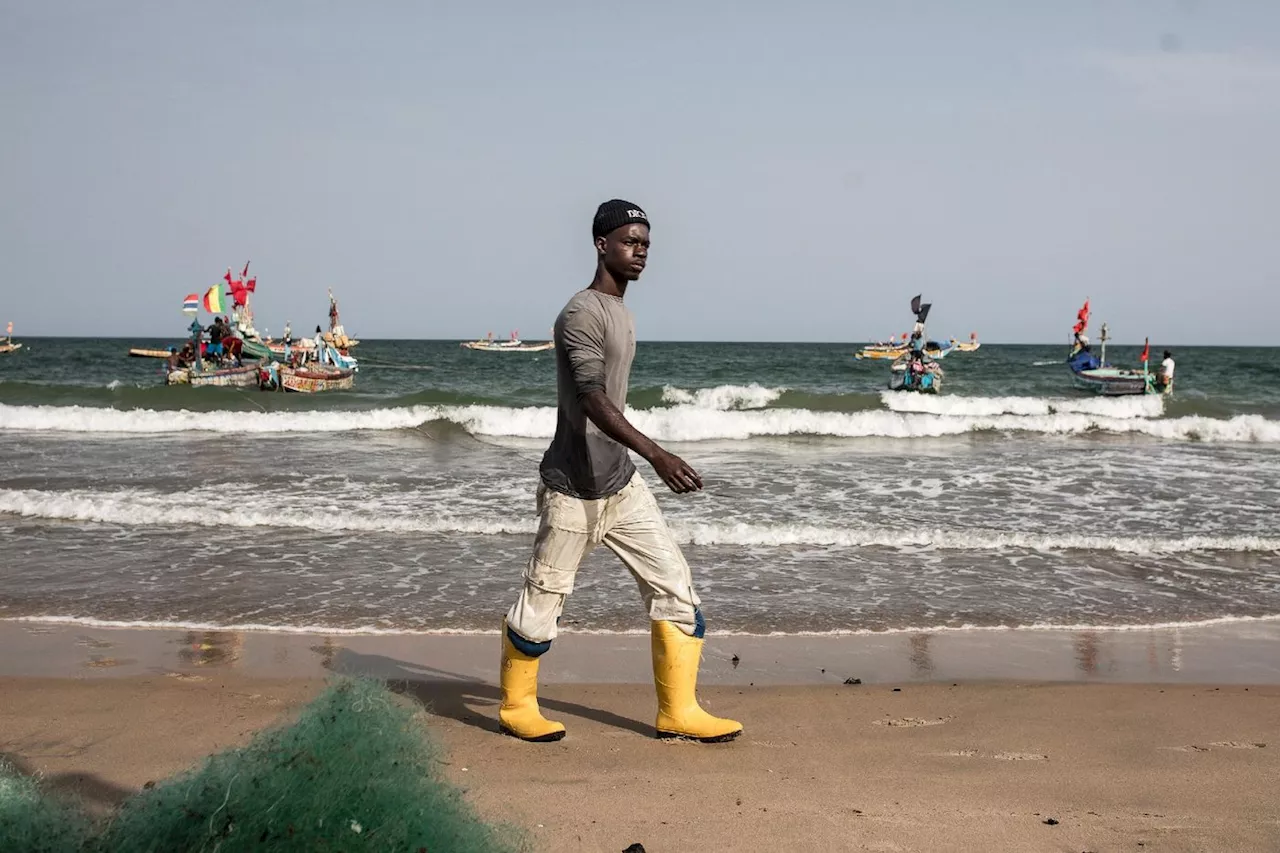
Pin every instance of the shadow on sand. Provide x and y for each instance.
(465, 699)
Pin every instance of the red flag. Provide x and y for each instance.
(228, 275)
(252, 284)
(246, 270)
(1146, 350)
(1082, 319)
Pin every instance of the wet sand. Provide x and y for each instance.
(913, 758)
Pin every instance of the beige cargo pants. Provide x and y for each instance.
(630, 524)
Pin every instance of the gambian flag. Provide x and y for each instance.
(191, 304)
(213, 299)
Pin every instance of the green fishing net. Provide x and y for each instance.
(33, 823)
(355, 772)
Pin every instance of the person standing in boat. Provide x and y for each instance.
(1164, 377)
(216, 334)
(590, 493)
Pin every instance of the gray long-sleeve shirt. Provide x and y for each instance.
(595, 337)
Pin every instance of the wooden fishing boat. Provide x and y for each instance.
(306, 347)
(916, 340)
(889, 352)
(1114, 381)
(513, 345)
(7, 344)
(314, 379)
(255, 348)
(1094, 373)
(927, 380)
(245, 376)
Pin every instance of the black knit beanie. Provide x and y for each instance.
(614, 214)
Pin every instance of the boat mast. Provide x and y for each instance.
(1103, 337)
(196, 329)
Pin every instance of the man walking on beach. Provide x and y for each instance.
(591, 493)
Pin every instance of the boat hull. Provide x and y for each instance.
(230, 377)
(929, 382)
(5, 349)
(302, 381)
(1113, 382)
(255, 349)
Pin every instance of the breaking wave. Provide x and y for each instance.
(677, 423)
(723, 397)
(141, 508)
(1111, 407)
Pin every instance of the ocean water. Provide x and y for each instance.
(831, 505)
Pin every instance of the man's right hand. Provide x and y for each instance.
(675, 472)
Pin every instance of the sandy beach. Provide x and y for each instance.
(913, 763)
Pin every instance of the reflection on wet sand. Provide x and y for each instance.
(97, 658)
(210, 648)
(921, 657)
(327, 649)
(1086, 646)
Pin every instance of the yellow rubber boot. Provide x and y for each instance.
(518, 715)
(676, 656)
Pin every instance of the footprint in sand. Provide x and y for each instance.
(99, 662)
(910, 722)
(1221, 744)
(185, 676)
(999, 756)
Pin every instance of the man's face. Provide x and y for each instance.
(625, 250)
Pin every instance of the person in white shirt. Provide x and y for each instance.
(1165, 375)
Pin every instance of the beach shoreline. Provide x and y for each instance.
(1227, 652)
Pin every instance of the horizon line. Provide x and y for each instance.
(20, 338)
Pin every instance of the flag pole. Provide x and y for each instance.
(1146, 355)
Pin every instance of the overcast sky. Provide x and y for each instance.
(808, 166)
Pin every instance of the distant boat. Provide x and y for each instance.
(512, 345)
(895, 350)
(892, 352)
(6, 344)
